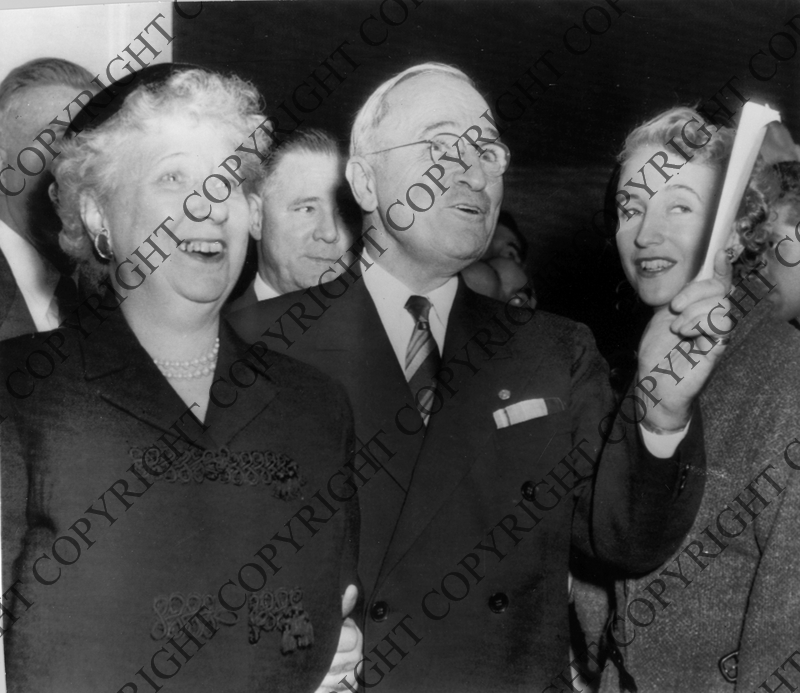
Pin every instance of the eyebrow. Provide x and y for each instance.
(685, 187)
(436, 126)
(635, 195)
(171, 156)
(301, 200)
(638, 197)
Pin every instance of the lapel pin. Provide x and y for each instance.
(504, 394)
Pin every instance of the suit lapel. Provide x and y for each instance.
(461, 432)
(124, 375)
(15, 318)
(225, 423)
(247, 299)
(361, 354)
(355, 349)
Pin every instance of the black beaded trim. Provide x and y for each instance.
(282, 610)
(223, 465)
(175, 611)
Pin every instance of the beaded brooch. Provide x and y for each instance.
(177, 610)
(279, 471)
(282, 610)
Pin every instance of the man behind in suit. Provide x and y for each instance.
(307, 216)
(489, 413)
(33, 268)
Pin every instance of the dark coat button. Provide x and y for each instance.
(498, 602)
(528, 490)
(379, 611)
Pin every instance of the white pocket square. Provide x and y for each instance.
(527, 410)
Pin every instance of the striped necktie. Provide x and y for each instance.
(422, 357)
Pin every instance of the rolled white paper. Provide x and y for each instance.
(749, 136)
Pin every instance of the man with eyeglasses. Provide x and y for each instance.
(492, 415)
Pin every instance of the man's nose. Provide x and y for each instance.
(475, 177)
(329, 229)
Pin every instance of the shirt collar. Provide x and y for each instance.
(35, 277)
(387, 289)
(390, 295)
(263, 290)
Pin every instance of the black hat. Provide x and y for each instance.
(108, 102)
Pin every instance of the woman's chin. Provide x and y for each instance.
(203, 290)
(202, 287)
(658, 299)
(658, 292)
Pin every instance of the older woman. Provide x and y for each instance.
(680, 628)
(161, 514)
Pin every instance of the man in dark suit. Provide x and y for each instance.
(493, 413)
(307, 214)
(35, 289)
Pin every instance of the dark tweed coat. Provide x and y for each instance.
(116, 585)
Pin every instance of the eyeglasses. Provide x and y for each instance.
(494, 157)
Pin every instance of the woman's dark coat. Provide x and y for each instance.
(133, 531)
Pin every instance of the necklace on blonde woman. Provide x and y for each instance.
(196, 368)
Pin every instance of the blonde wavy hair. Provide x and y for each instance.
(771, 187)
(715, 147)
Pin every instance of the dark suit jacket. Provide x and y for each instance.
(247, 299)
(175, 533)
(15, 318)
(492, 617)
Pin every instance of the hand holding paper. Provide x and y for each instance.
(749, 137)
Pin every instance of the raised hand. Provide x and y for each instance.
(680, 348)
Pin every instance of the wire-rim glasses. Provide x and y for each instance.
(494, 157)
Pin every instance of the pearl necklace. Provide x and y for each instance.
(197, 368)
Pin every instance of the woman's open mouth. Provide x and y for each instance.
(206, 251)
(652, 267)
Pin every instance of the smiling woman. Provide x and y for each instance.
(661, 237)
(661, 240)
(142, 388)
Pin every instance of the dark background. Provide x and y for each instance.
(655, 55)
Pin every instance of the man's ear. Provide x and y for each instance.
(361, 177)
(92, 215)
(256, 219)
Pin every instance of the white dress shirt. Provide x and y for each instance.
(263, 290)
(35, 277)
(390, 295)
